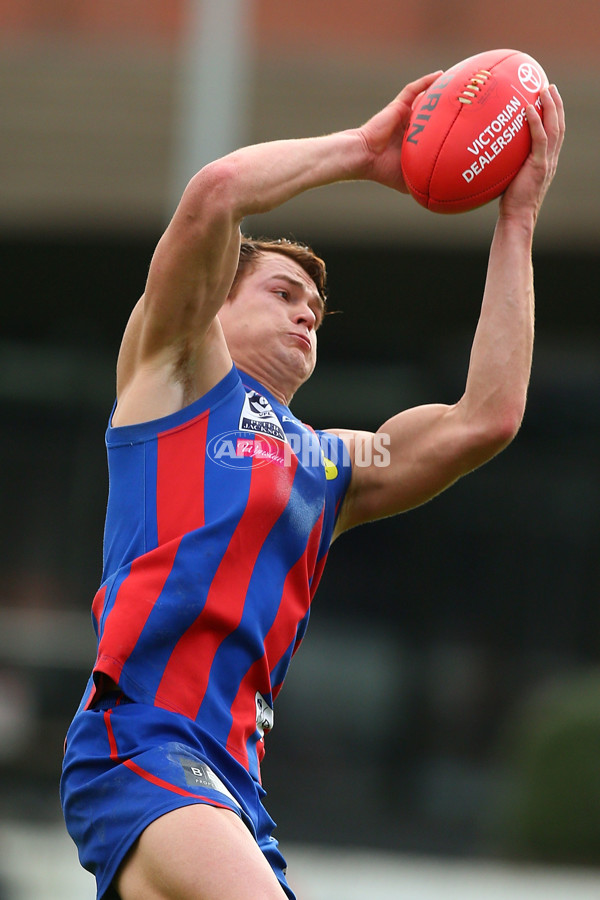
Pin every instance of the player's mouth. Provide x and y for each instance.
(301, 339)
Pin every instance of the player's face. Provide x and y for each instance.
(271, 323)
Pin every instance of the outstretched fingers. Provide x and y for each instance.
(529, 187)
(382, 134)
(539, 137)
(411, 91)
(547, 134)
(554, 123)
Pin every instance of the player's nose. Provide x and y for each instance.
(306, 315)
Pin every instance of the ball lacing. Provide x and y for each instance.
(472, 87)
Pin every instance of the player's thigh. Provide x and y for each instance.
(197, 852)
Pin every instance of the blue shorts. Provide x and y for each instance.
(128, 763)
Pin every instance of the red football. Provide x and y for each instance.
(468, 134)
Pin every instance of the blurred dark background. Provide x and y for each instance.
(447, 697)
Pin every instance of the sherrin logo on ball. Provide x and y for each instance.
(468, 136)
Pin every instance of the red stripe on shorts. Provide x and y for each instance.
(148, 776)
(159, 782)
(111, 736)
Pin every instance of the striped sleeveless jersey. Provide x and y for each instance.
(218, 525)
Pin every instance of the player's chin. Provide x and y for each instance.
(297, 363)
(305, 366)
(304, 350)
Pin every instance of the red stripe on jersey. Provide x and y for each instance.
(319, 566)
(97, 609)
(295, 602)
(181, 455)
(98, 605)
(243, 710)
(133, 604)
(316, 577)
(184, 682)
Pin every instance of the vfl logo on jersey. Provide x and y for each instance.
(264, 715)
(258, 416)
